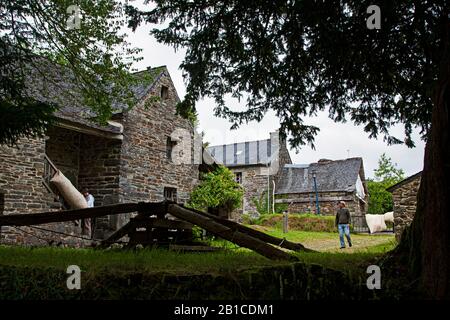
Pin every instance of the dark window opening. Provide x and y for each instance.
(164, 93)
(2, 207)
(362, 206)
(2, 203)
(238, 177)
(170, 194)
(169, 147)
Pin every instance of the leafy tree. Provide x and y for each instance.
(217, 188)
(386, 175)
(380, 200)
(301, 57)
(82, 37)
(388, 172)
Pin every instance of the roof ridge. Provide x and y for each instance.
(229, 144)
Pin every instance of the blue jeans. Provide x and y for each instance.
(344, 229)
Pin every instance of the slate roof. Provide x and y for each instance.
(243, 154)
(338, 175)
(60, 87)
(404, 181)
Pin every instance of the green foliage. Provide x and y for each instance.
(260, 203)
(217, 188)
(376, 78)
(297, 221)
(261, 206)
(386, 175)
(380, 200)
(93, 55)
(388, 172)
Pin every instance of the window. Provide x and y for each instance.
(238, 177)
(169, 147)
(170, 194)
(164, 93)
(2, 207)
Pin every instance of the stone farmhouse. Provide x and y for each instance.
(256, 165)
(404, 196)
(265, 165)
(129, 160)
(336, 180)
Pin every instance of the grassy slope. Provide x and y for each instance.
(366, 250)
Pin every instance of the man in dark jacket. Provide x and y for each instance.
(343, 224)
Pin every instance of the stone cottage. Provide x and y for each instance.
(256, 166)
(404, 196)
(131, 159)
(336, 180)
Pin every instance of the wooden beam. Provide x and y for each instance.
(226, 233)
(130, 226)
(70, 215)
(193, 248)
(283, 243)
(161, 223)
(74, 126)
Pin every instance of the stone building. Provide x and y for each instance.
(338, 180)
(256, 165)
(128, 160)
(404, 196)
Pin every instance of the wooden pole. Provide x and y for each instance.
(283, 243)
(285, 222)
(226, 233)
(70, 215)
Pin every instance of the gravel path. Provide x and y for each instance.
(359, 241)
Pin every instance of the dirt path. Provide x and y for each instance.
(360, 242)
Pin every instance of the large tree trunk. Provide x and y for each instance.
(428, 239)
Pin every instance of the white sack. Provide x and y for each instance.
(72, 196)
(389, 216)
(375, 222)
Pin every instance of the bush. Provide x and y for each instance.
(261, 204)
(297, 221)
(217, 189)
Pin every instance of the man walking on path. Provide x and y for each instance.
(343, 224)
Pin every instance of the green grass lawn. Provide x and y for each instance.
(366, 249)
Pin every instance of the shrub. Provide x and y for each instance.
(217, 189)
(298, 221)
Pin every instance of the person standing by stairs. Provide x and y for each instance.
(86, 224)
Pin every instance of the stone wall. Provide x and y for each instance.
(137, 169)
(306, 202)
(146, 168)
(99, 173)
(63, 149)
(21, 171)
(405, 200)
(254, 182)
(254, 178)
(283, 156)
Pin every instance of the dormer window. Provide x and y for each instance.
(164, 93)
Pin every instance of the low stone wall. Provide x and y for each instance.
(405, 202)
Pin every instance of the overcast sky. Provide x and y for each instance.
(334, 141)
